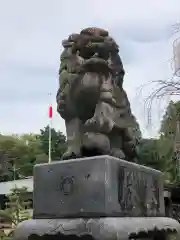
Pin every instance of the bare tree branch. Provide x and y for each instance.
(162, 90)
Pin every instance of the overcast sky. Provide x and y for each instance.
(30, 44)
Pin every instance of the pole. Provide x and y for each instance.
(14, 175)
(50, 122)
(14, 172)
(50, 127)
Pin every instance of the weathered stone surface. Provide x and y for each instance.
(96, 187)
(98, 229)
(91, 98)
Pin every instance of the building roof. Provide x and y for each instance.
(5, 187)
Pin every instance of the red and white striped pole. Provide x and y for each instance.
(50, 126)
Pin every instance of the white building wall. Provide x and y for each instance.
(6, 187)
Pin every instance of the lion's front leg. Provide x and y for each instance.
(102, 121)
(74, 138)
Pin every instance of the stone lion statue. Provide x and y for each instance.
(91, 98)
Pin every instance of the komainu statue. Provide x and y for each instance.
(91, 97)
(97, 197)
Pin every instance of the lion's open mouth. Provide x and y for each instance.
(96, 64)
(96, 58)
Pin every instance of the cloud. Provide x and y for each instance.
(30, 47)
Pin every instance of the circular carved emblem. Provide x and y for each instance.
(67, 185)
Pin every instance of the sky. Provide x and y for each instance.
(30, 47)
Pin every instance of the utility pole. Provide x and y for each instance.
(14, 172)
(50, 127)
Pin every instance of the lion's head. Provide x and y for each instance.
(93, 50)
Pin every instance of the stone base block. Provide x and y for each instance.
(101, 186)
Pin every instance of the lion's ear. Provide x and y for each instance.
(66, 43)
(74, 37)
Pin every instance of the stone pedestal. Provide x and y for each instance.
(101, 186)
(100, 197)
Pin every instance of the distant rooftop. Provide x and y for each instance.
(5, 187)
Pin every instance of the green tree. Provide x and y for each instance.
(33, 150)
(160, 153)
(19, 153)
(18, 206)
(4, 236)
(18, 156)
(148, 153)
(169, 137)
(17, 209)
(170, 118)
(157, 154)
(167, 156)
(5, 166)
(58, 142)
(9, 156)
(136, 130)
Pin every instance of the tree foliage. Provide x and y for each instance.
(170, 118)
(137, 131)
(149, 153)
(160, 153)
(58, 144)
(16, 211)
(18, 154)
(169, 139)
(17, 207)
